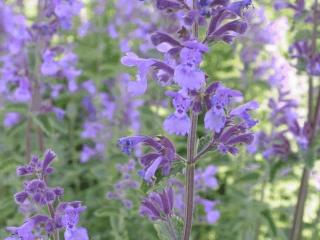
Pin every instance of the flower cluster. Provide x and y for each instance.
(192, 94)
(36, 196)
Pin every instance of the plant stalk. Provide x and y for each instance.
(296, 229)
(189, 201)
(191, 150)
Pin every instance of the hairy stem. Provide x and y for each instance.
(296, 229)
(189, 202)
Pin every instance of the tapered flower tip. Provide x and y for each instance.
(178, 126)
(20, 197)
(126, 144)
(130, 59)
(48, 158)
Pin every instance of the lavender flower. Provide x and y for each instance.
(162, 157)
(11, 119)
(37, 192)
(179, 122)
(158, 206)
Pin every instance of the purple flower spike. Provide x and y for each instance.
(158, 206)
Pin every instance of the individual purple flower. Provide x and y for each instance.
(179, 122)
(243, 112)
(49, 66)
(162, 157)
(216, 117)
(219, 30)
(188, 74)
(11, 119)
(158, 206)
(143, 65)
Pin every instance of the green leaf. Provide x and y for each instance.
(204, 141)
(267, 214)
(42, 122)
(252, 176)
(107, 211)
(169, 231)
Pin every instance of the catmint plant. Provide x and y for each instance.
(45, 214)
(305, 50)
(227, 121)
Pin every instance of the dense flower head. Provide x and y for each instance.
(162, 156)
(158, 206)
(37, 195)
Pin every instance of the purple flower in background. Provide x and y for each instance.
(158, 206)
(212, 215)
(11, 119)
(205, 180)
(179, 122)
(124, 184)
(87, 153)
(66, 10)
(162, 157)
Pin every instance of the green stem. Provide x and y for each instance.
(189, 201)
(296, 229)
